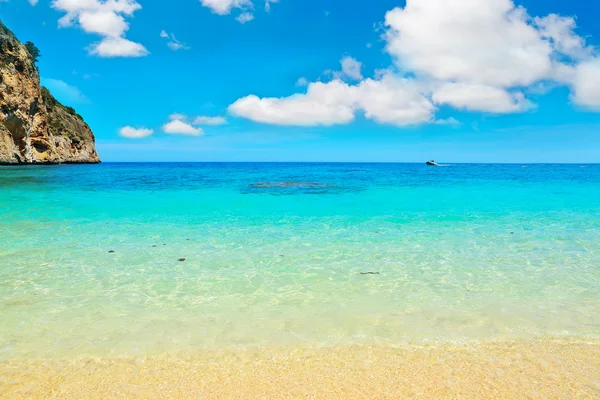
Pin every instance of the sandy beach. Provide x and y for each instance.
(549, 368)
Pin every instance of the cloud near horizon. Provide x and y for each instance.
(178, 125)
(135, 133)
(480, 56)
(390, 99)
(204, 120)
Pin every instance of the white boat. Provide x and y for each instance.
(432, 163)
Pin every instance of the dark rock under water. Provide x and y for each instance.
(290, 184)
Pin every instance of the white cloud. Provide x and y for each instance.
(302, 81)
(135, 133)
(244, 17)
(586, 84)
(388, 100)
(488, 42)
(202, 120)
(560, 31)
(111, 47)
(477, 97)
(106, 19)
(481, 51)
(172, 41)
(64, 92)
(351, 68)
(476, 55)
(324, 104)
(33, 2)
(224, 7)
(395, 101)
(448, 121)
(104, 23)
(179, 127)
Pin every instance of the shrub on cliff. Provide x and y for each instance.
(33, 51)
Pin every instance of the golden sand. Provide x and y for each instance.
(550, 368)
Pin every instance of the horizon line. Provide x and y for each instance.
(349, 162)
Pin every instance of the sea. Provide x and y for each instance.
(145, 258)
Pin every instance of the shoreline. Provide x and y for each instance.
(540, 368)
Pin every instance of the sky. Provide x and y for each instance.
(324, 80)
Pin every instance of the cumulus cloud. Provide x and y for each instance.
(135, 133)
(393, 100)
(561, 33)
(111, 47)
(487, 42)
(477, 97)
(323, 104)
(476, 55)
(388, 100)
(181, 128)
(106, 19)
(203, 120)
(178, 125)
(33, 2)
(482, 50)
(586, 84)
(172, 41)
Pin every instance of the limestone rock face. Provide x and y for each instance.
(34, 126)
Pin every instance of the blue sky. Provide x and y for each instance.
(324, 80)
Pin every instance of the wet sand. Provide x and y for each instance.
(549, 368)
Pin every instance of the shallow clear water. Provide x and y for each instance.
(274, 255)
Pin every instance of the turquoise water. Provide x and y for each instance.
(274, 255)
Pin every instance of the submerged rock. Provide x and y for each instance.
(290, 184)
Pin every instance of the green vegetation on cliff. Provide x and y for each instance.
(52, 103)
(33, 51)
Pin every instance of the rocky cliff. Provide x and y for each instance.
(34, 126)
